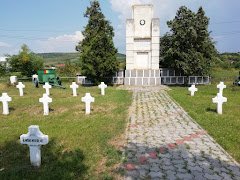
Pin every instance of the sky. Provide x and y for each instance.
(56, 25)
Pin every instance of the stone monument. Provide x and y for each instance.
(219, 100)
(221, 86)
(45, 100)
(47, 86)
(5, 99)
(142, 47)
(193, 89)
(74, 87)
(88, 99)
(34, 139)
(102, 86)
(20, 86)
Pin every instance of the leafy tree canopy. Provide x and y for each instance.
(188, 47)
(97, 52)
(25, 62)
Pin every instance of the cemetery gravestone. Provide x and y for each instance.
(47, 86)
(45, 100)
(20, 86)
(74, 87)
(102, 86)
(192, 89)
(221, 86)
(5, 99)
(88, 99)
(13, 80)
(34, 139)
(219, 99)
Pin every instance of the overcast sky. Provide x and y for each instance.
(56, 25)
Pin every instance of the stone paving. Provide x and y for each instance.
(163, 142)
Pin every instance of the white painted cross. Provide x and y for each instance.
(34, 139)
(74, 87)
(221, 86)
(192, 89)
(20, 86)
(45, 100)
(102, 86)
(5, 99)
(47, 86)
(87, 99)
(219, 99)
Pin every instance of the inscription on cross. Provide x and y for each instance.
(5, 99)
(221, 86)
(192, 89)
(45, 100)
(74, 87)
(34, 139)
(219, 100)
(102, 86)
(20, 86)
(47, 86)
(88, 99)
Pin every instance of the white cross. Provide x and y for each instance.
(74, 87)
(192, 89)
(20, 86)
(34, 139)
(87, 99)
(102, 86)
(219, 99)
(5, 99)
(45, 100)
(221, 86)
(47, 86)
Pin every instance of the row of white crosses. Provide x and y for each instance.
(74, 87)
(219, 99)
(88, 99)
(35, 138)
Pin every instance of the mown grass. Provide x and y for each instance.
(225, 129)
(80, 145)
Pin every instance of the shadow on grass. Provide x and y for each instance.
(11, 109)
(211, 110)
(57, 162)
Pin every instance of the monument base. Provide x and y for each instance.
(142, 77)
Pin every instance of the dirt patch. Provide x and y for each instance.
(118, 142)
(3, 86)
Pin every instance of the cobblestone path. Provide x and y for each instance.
(163, 142)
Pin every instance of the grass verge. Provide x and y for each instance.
(225, 129)
(80, 145)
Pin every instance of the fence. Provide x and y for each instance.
(171, 80)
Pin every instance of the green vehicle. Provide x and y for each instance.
(48, 75)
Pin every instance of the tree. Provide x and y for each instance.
(25, 62)
(97, 52)
(188, 47)
(2, 70)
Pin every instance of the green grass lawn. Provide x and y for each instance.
(225, 129)
(80, 147)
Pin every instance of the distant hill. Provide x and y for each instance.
(59, 58)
